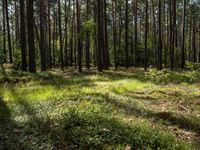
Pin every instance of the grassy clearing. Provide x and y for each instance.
(110, 110)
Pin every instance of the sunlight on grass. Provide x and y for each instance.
(106, 110)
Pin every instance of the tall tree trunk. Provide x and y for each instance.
(42, 36)
(72, 36)
(106, 63)
(79, 38)
(172, 6)
(126, 35)
(146, 36)
(164, 33)
(17, 34)
(100, 37)
(60, 33)
(183, 36)
(66, 30)
(49, 28)
(114, 31)
(23, 36)
(194, 35)
(136, 34)
(75, 35)
(8, 32)
(54, 36)
(95, 35)
(174, 28)
(154, 35)
(87, 44)
(31, 43)
(4, 32)
(159, 36)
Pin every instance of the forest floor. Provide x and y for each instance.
(110, 110)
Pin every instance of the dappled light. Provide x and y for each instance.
(98, 110)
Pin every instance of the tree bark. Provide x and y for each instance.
(79, 36)
(8, 32)
(23, 36)
(126, 36)
(183, 36)
(60, 34)
(31, 43)
(42, 36)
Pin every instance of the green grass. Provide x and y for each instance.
(110, 110)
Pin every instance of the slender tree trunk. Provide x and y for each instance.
(72, 36)
(194, 36)
(136, 35)
(154, 35)
(8, 32)
(79, 38)
(126, 35)
(54, 36)
(23, 36)
(42, 36)
(31, 43)
(183, 36)
(114, 31)
(75, 35)
(172, 22)
(60, 32)
(174, 28)
(106, 36)
(66, 30)
(49, 26)
(120, 60)
(17, 34)
(146, 36)
(164, 35)
(87, 45)
(100, 38)
(159, 36)
(4, 32)
(95, 35)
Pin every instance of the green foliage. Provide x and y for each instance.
(95, 111)
(157, 76)
(89, 26)
(167, 76)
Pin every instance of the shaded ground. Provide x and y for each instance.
(110, 110)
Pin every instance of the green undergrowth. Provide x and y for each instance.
(110, 110)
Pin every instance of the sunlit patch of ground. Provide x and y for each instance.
(110, 110)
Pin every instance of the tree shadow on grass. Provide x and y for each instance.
(99, 131)
(186, 122)
(9, 139)
(75, 130)
(30, 132)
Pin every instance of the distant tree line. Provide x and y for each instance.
(99, 33)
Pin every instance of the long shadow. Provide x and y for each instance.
(23, 135)
(30, 129)
(75, 131)
(93, 131)
(8, 129)
(190, 123)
